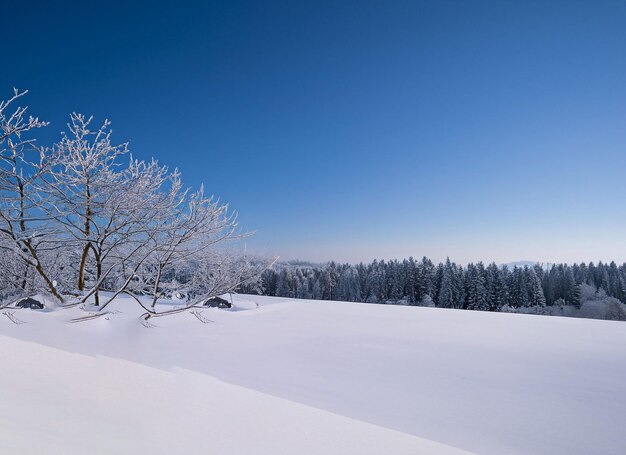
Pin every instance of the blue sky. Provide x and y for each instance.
(484, 130)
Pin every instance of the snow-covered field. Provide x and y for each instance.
(299, 377)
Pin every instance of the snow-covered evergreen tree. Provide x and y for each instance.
(535, 289)
(448, 292)
(477, 296)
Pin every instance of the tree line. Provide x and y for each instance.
(446, 285)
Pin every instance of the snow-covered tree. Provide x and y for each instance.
(477, 296)
(535, 289)
(24, 229)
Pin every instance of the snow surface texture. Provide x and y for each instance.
(313, 377)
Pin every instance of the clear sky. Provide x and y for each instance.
(479, 130)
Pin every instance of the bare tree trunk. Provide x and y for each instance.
(29, 246)
(98, 256)
(42, 273)
(86, 232)
(23, 227)
(81, 270)
(25, 275)
(157, 281)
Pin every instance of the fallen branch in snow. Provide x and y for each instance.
(147, 324)
(153, 314)
(8, 303)
(200, 317)
(91, 317)
(67, 306)
(12, 318)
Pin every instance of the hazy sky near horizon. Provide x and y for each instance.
(483, 130)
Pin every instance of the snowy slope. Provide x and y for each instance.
(62, 403)
(314, 377)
